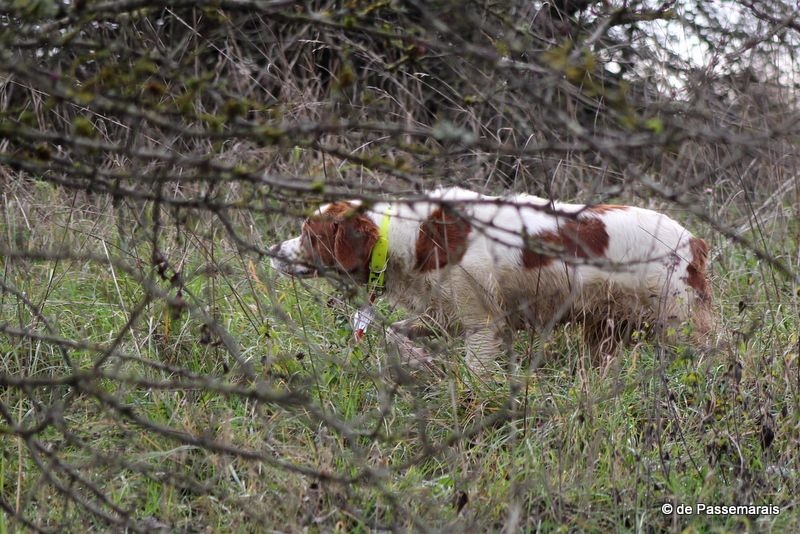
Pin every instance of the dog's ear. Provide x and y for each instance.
(356, 236)
(317, 240)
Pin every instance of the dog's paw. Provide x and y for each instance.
(406, 353)
(412, 328)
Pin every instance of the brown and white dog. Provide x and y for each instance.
(483, 266)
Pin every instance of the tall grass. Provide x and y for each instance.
(306, 430)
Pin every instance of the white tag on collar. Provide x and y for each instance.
(362, 318)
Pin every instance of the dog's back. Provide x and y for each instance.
(526, 261)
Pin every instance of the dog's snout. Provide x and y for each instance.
(286, 258)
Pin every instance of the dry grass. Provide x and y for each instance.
(170, 427)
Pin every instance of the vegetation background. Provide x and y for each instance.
(156, 374)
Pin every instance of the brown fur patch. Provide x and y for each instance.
(339, 209)
(605, 208)
(582, 238)
(696, 271)
(340, 238)
(536, 260)
(442, 240)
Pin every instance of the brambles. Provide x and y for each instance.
(155, 373)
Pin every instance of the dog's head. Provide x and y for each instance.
(338, 237)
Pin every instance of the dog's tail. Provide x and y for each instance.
(702, 314)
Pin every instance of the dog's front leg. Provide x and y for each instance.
(483, 345)
(403, 349)
(412, 328)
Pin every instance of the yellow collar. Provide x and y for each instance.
(380, 257)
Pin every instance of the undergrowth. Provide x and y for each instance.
(302, 428)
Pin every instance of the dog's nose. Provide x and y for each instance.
(274, 249)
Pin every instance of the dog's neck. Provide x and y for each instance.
(401, 233)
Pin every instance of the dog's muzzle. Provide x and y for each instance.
(286, 259)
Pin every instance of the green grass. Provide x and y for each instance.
(197, 439)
